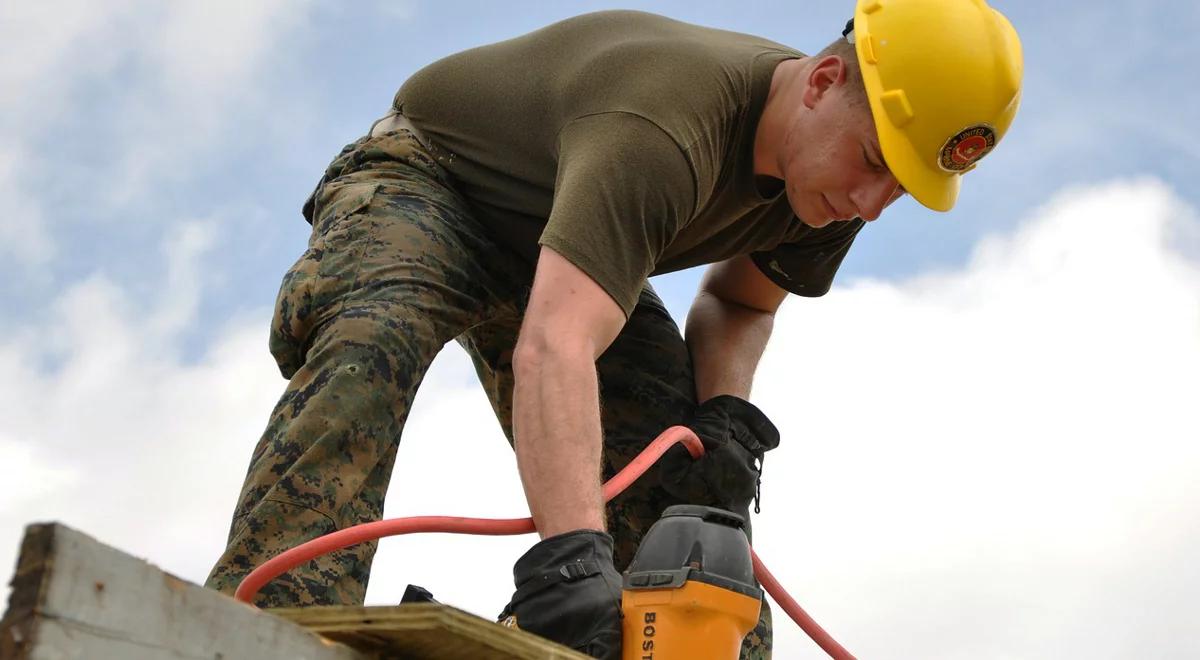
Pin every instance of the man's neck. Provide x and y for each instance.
(773, 124)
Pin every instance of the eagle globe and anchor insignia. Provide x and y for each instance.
(961, 152)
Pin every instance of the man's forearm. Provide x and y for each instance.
(556, 426)
(726, 341)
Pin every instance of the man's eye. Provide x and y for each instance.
(874, 167)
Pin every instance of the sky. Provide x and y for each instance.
(989, 425)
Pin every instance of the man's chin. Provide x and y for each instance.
(819, 223)
(813, 215)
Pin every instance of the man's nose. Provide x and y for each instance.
(874, 194)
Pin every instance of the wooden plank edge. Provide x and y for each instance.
(337, 621)
(19, 626)
(76, 597)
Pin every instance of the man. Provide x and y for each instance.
(517, 198)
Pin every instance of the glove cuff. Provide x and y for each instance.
(551, 556)
(761, 436)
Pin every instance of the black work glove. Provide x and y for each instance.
(735, 435)
(568, 591)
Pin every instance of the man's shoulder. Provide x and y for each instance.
(690, 79)
(648, 30)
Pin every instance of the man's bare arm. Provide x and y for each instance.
(569, 322)
(728, 327)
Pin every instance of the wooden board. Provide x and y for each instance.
(422, 631)
(74, 597)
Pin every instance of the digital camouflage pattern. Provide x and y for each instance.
(396, 267)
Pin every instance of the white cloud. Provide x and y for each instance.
(984, 461)
(142, 447)
(453, 461)
(997, 462)
(207, 67)
(23, 233)
(29, 477)
(42, 61)
(185, 245)
(39, 38)
(160, 85)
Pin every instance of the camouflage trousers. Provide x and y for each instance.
(396, 267)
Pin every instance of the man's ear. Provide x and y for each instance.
(828, 72)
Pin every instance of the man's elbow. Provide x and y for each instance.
(738, 281)
(537, 351)
(741, 306)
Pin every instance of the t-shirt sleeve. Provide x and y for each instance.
(623, 191)
(806, 266)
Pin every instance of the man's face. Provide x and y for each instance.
(833, 168)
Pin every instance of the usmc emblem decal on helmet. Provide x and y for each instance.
(961, 152)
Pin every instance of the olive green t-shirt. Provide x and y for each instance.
(624, 142)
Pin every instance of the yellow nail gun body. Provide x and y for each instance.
(689, 592)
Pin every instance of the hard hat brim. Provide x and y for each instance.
(934, 190)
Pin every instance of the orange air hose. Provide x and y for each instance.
(289, 559)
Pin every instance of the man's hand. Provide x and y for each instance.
(569, 592)
(736, 435)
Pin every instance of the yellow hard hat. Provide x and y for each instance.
(944, 80)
